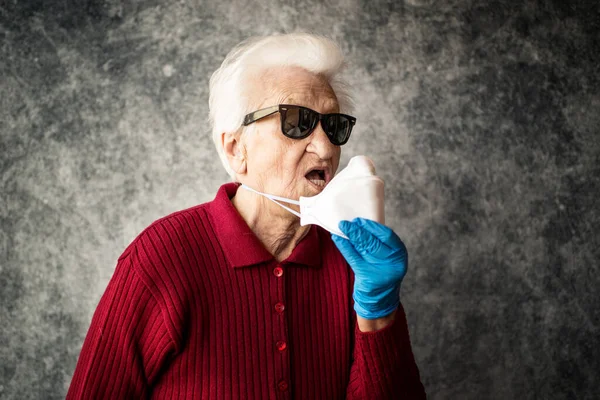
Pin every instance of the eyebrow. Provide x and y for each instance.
(304, 101)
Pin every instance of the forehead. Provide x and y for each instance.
(294, 85)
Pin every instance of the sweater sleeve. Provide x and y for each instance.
(127, 343)
(384, 366)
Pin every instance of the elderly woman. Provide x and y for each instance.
(234, 299)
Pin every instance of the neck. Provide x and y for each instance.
(277, 229)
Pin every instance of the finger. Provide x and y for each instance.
(388, 237)
(361, 239)
(345, 247)
(382, 232)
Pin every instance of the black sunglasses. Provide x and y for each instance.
(298, 122)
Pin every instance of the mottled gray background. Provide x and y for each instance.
(482, 116)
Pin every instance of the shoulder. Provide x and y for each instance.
(187, 227)
(164, 257)
(167, 252)
(169, 234)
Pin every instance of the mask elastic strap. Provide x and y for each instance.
(274, 199)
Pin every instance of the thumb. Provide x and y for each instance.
(362, 240)
(346, 248)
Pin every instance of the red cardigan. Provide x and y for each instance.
(198, 308)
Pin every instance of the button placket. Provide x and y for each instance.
(280, 339)
(280, 308)
(281, 345)
(278, 272)
(283, 385)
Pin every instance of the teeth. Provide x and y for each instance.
(318, 182)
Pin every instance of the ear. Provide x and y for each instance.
(234, 151)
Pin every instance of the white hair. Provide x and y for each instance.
(229, 101)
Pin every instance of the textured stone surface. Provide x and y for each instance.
(482, 116)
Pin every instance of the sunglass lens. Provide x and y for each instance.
(298, 122)
(338, 128)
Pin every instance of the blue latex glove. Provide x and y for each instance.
(379, 260)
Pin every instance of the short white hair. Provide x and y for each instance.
(228, 98)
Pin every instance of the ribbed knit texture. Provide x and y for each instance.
(198, 308)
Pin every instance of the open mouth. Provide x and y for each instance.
(317, 177)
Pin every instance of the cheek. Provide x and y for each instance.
(269, 154)
(285, 161)
(290, 158)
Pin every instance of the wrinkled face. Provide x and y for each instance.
(288, 167)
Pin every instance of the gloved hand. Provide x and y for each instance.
(379, 260)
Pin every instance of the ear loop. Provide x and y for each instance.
(274, 199)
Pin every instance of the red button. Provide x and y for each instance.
(278, 272)
(283, 386)
(281, 345)
(279, 307)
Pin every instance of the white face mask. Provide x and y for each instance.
(354, 192)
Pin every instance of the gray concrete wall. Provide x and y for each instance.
(482, 116)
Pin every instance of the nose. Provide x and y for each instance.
(320, 144)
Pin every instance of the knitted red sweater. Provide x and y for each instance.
(198, 308)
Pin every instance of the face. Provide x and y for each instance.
(276, 164)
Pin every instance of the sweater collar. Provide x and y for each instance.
(241, 246)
